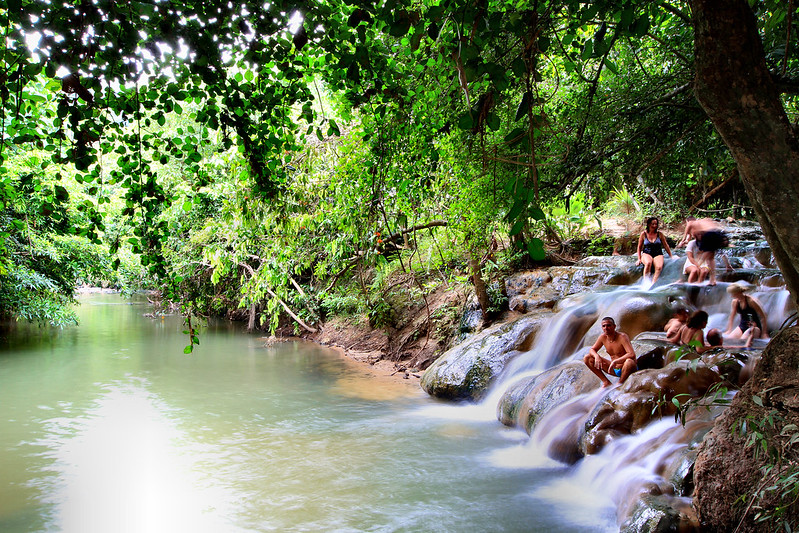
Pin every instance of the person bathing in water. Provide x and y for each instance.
(622, 361)
(650, 249)
(753, 323)
(675, 324)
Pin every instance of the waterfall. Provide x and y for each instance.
(629, 465)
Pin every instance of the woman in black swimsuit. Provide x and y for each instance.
(753, 323)
(650, 248)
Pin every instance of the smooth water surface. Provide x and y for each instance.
(110, 427)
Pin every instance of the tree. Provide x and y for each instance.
(741, 97)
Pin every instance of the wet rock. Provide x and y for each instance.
(472, 316)
(726, 466)
(466, 371)
(647, 394)
(636, 313)
(661, 514)
(524, 403)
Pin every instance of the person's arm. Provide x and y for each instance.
(733, 312)
(640, 246)
(686, 238)
(595, 349)
(629, 353)
(763, 319)
(699, 336)
(666, 244)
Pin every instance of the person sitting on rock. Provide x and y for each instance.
(709, 239)
(675, 324)
(696, 268)
(753, 323)
(693, 332)
(622, 360)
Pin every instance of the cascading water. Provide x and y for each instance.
(628, 465)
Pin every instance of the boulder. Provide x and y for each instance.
(661, 513)
(646, 394)
(729, 475)
(465, 371)
(524, 403)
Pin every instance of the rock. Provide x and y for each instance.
(526, 402)
(728, 474)
(645, 311)
(661, 514)
(633, 405)
(466, 371)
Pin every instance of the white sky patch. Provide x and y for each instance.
(295, 22)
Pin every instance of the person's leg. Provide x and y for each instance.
(627, 368)
(604, 365)
(658, 264)
(702, 273)
(736, 333)
(710, 257)
(646, 259)
(750, 335)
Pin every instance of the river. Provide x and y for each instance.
(110, 427)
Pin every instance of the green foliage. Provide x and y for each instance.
(773, 442)
(602, 245)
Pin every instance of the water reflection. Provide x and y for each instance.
(126, 469)
(110, 427)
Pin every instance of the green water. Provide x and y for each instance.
(109, 427)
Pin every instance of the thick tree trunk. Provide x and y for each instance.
(736, 90)
(480, 287)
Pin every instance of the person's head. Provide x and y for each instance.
(714, 337)
(652, 224)
(608, 325)
(736, 290)
(698, 320)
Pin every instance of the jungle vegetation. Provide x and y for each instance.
(291, 158)
(285, 156)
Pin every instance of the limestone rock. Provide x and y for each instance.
(727, 474)
(661, 514)
(632, 406)
(526, 402)
(466, 371)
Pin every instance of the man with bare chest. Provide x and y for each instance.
(622, 361)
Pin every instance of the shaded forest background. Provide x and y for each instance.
(286, 159)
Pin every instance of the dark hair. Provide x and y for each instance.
(682, 311)
(608, 319)
(649, 221)
(714, 337)
(697, 320)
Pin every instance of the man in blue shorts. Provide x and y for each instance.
(622, 361)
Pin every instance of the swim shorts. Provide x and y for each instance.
(713, 240)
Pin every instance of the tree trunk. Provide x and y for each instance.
(480, 287)
(738, 93)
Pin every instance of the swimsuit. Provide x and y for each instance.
(617, 371)
(653, 248)
(748, 315)
(712, 240)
